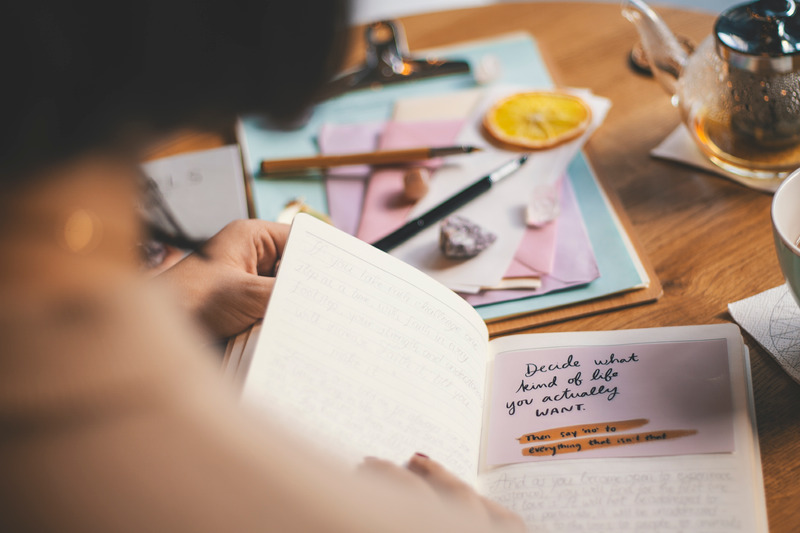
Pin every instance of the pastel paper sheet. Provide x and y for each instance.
(453, 105)
(676, 396)
(574, 262)
(385, 208)
(345, 185)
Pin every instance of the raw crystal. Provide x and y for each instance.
(460, 238)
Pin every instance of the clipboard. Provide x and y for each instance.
(621, 285)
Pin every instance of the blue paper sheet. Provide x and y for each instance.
(520, 63)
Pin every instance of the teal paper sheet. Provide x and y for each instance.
(521, 64)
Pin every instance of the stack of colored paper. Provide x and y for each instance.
(582, 254)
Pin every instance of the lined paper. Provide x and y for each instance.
(368, 356)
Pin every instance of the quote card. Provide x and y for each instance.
(629, 400)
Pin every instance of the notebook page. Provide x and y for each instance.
(365, 355)
(712, 492)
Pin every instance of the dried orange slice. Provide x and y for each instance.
(538, 119)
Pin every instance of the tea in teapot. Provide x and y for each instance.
(739, 91)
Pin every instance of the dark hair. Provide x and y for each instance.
(77, 75)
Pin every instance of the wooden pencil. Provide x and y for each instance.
(381, 157)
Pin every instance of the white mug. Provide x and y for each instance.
(786, 230)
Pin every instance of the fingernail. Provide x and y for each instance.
(418, 454)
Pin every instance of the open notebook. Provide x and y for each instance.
(631, 430)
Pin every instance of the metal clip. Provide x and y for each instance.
(388, 62)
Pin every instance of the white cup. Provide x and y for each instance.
(786, 230)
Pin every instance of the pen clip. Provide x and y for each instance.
(388, 62)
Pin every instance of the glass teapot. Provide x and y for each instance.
(739, 91)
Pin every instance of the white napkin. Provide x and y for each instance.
(773, 319)
(679, 146)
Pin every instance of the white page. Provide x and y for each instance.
(368, 356)
(700, 493)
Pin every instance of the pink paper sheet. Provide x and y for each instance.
(574, 262)
(536, 252)
(345, 186)
(385, 209)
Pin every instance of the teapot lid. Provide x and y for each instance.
(763, 35)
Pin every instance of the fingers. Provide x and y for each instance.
(396, 474)
(428, 478)
(448, 485)
(246, 295)
(424, 474)
(270, 241)
(223, 287)
(438, 477)
(236, 302)
(253, 245)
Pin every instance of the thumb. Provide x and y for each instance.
(237, 304)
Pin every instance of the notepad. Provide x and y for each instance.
(633, 430)
(204, 190)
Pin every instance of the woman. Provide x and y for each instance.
(112, 414)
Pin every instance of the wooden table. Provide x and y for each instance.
(708, 238)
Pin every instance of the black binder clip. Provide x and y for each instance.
(388, 62)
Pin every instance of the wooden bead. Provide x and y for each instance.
(415, 183)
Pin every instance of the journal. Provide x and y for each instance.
(627, 430)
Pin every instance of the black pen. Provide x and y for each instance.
(437, 213)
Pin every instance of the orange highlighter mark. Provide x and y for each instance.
(603, 441)
(573, 432)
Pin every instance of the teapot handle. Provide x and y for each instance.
(665, 53)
